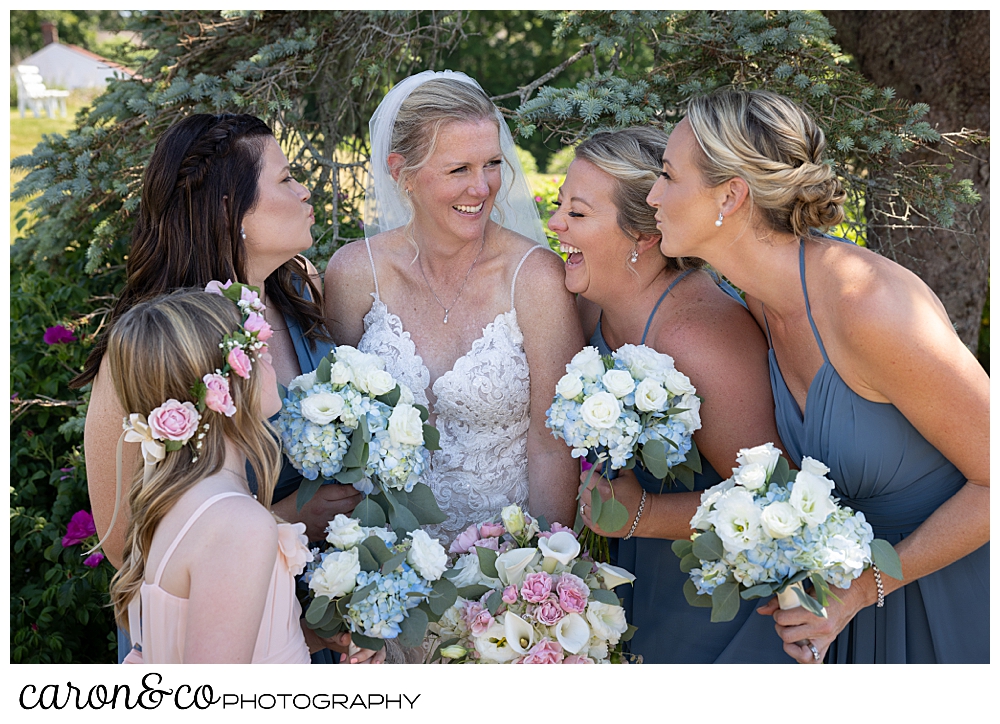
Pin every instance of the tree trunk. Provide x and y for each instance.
(941, 58)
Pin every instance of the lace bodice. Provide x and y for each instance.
(482, 409)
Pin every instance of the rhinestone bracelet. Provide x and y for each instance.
(638, 514)
(878, 585)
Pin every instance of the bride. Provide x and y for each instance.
(456, 289)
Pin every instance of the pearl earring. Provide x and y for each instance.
(718, 222)
(243, 234)
(634, 256)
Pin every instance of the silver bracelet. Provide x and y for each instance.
(638, 514)
(878, 585)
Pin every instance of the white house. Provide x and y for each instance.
(69, 66)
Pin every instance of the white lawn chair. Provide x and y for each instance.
(32, 93)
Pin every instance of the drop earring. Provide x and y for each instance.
(718, 222)
(243, 234)
(634, 256)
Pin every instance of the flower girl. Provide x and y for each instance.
(208, 573)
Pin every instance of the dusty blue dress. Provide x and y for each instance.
(885, 468)
(670, 630)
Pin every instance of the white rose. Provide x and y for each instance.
(405, 394)
(691, 417)
(340, 373)
(613, 575)
(644, 362)
(352, 357)
(493, 647)
(809, 465)
(375, 382)
(587, 363)
(572, 632)
(405, 425)
(751, 477)
(303, 382)
(344, 532)
(426, 555)
(520, 634)
(388, 536)
(650, 396)
(470, 574)
(811, 497)
(737, 520)
(562, 546)
(337, 576)
(607, 621)
(618, 382)
(702, 519)
(780, 520)
(322, 408)
(677, 382)
(766, 455)
(569, 386)
(511, 565)
(601, 410)
(847, 553)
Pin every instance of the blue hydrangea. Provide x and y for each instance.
(382, 611)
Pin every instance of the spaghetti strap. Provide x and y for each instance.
(512, 282)
(663, 296)
(368, 246)
(767, 327)
(187, 526)
(802, 274)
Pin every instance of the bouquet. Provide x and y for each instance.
(766, 529)
(351, 421)
(633, 404)
(371, 583)
(526, 595)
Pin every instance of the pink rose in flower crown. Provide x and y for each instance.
(491, 530)
(174, 420)
(216, 287)
(239, 361)
(509, 595)
(465, 540)
(217, 396)
(256, 323)
(549, 612)
(578, 659)
(251, 299)
(545, 651)
(573, 593)
(537, 587)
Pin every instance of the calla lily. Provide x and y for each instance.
(511, 565)
(562, 546)
(613, 575)
(572, 632)
(519, 633)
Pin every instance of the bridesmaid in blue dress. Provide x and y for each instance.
(630, 293)
(218, 202)
(867, 373)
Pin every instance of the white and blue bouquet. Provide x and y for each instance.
(376, 584)
(628, 406)
(767, 529)
(352, 422)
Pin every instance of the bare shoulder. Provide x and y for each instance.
(349, 262)
(240, 521)
(348, 285)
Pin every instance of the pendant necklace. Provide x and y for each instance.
(447, 310)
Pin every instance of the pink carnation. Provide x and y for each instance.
(256, 323)
(81, 526)
(578, 659)
(536, 587)
(216, 287)
(509, 594)
(217, 396)
(545, 651)
(573, 593)
(549, 612)
(477, 618)
(174, 420)
(465, 540)
(239, 361)
(491, 530)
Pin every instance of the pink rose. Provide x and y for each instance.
(560, 528)
(545, 533)
(477, 618)
(239, 361)
(251, 299)
(545, 651)
(549, 612)
(573, 593)
(491, 543)
(536, 587)
(174, 420)
(491, 530)
(215, 287)
(509, 594)
(256, 323)
(465, 540)
(217, 395)
(578, 659)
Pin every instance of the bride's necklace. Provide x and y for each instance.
(447, 310)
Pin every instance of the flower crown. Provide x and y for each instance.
(171, 425)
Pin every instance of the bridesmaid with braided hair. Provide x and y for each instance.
(218, 203)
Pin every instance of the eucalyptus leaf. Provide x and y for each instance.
(543, 523)
(582, 568)
(614, 516)
(681, 547)
(353, 457)
(800, 576)
(393, 563)
(317, 609)
(369, 513)
(366, 560)
(400, 517)
(604, 596)
(307, 489)
(424, 414)
(654, 458)
(282, 391)
(473, 592)
(423, 505)
(331, 618)
(758, 591)
(361, 593)
(487, 561)
(629, 632)
(323, 371)
(377, 547)
(708, 546)
(885, 557)
(493, 602)
(725, 602)
(694, 598)
(685, 475)
(413, 628)
(689, 562)
(432, 437)
(350, 476)
(809, 603)
(331, 630)
(596, 503)
(693, 459)
(391, 397)
(443, 596)
(363, 428)
(780, 473)
(823, 592)
(367, 642)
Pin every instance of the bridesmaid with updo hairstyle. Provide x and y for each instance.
(867, 373)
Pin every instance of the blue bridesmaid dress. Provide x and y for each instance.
(885, 468)
(669, 629)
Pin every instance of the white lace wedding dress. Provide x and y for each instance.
(482, 407)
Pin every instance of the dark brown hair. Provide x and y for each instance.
(199, 184)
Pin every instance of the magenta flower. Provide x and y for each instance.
(81, 526)
(94, 559)
(58, 335)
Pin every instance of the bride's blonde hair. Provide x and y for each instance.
(158, 350)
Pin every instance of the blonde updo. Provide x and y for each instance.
(768, 141)
(633, 158)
